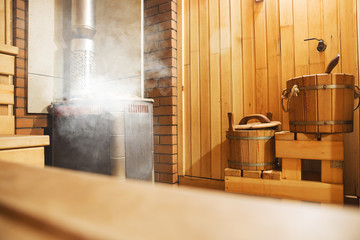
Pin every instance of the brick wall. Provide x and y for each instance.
(25, 123)
(160, 84)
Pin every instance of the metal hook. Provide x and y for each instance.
(321, 46)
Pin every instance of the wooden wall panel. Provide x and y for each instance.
(349, 59)
(301, 32)
(287, 48)
(179, 84)
(247, 12)
(195, 89)
(274, 57)
(315, 29)
(187, 89)
(261, 72)
(331, 31)
(2, 22)
(6, 22)
(225, 77)
(204, 75)
(238, 55)
(236, 58)
(215, 102)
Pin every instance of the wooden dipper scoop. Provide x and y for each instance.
(332, 64)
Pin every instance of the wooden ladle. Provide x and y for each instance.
(332, 64)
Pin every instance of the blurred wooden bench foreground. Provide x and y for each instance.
(54, 203)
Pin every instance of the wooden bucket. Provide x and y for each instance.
(320, 103)
(252, 146)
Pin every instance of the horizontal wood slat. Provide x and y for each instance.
(7, 64)
(7, 125)
(7, 49)
(19, 141)
(27, 156)
(325, 150)
(6, 94)
(299, 190)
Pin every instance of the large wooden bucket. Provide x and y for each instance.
(320, 103)
(251, 149)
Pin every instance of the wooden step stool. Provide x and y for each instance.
(292, 148)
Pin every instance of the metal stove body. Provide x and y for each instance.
(114, 139)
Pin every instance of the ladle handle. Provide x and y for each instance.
(260, 117)
(231, 121)
(332, 64)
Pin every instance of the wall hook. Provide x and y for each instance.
(321, 46)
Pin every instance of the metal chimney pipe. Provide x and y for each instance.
(82, 67)
(83, 18)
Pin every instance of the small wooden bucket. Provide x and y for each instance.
(321, 103)
(252, 146)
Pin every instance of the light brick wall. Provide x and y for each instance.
(160, 84)
(25, 123)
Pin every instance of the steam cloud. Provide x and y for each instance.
(117, 81)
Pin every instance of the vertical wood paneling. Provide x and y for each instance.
(215, 110)
(274, 57)
(238, 55)
(225, 76)
(2, 22)
(236, 59)
(331, 37)
(300, 33)
(180, 93)
(301, 50)
(205, 164)
(331, 31)
(195, 89)
(247, 12)
(187, 89)
(315, 28)
(261, 74)
(348, 24)
(8, 20)
(287, 48)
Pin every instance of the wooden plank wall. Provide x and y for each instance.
(349, 64)
(238, 55)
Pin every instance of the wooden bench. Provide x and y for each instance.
(78, 205)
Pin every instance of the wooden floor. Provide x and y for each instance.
(60, 204)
